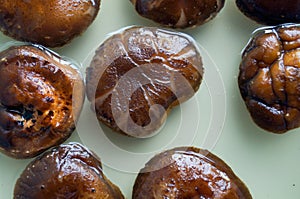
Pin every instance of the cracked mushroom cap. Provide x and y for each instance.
(139, 74)
(269, 78)
(179, 13)
(66, 172)
(40, 100)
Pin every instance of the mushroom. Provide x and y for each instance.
(179, 13)
(50, 23)
(269, 78)
(67, 171)
(40, 100)
(188, 172)
(139, 74)
(271, 12)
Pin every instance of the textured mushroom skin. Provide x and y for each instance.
(188, 172)
(50, 23)
(269, 78)
(40, 100)
(67, 172)
(171, 55)
(271, 12)
(179, 13)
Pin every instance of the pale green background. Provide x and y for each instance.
(267, 163)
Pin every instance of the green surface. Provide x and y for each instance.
(216, 118)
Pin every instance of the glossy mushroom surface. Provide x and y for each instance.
(179, 13)
(271, 12)
(188, 172)
(40, 100)
(50, 23)
(66, 172)
(269, 78)
(137, 76)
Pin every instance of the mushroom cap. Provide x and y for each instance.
(271, 12)
(68, 171)
(188, 172)
(137, 75)
(269, 78)
(40, 100)
(50, 23)
(179, 13)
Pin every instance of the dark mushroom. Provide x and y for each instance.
(179, 13)
(40, 100)
(139, 74)
(269, 78)
(271, 12)
(188, 172)
(50, 23)
(66, 172)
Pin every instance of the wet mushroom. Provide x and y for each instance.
(68, 171)
(139, 74)
(271, 12)
(188, 172)
(50, 23)
(179, 13)
(269, 78)
(40, 100)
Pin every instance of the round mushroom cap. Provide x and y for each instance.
(179, 13)
(188, 172)
(51, 23)
(271, 12)
(269, 78)
(68, 171)
(40, 100)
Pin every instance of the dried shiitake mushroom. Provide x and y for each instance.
(179, 13)
(188, 172)
(50, 23)
(269, 78)
(137, 76)
(40, 100)
(68, 171)
(271, 12)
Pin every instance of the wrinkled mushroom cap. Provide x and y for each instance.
(269, 78)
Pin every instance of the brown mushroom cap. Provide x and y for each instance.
(40, 100)
(271, 12)
(50, 23)
(179, 13)
(269, 78)
(68, 171)
(188, 172)
(135, 70)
